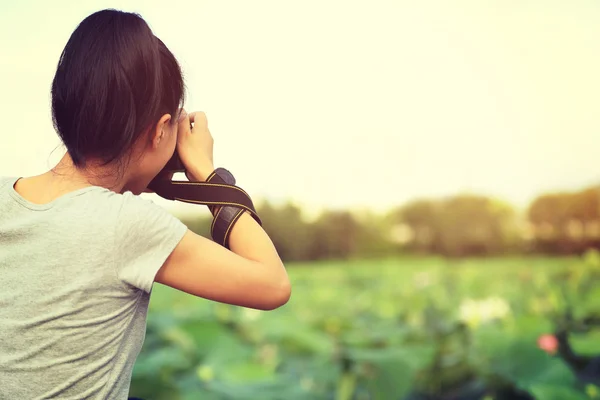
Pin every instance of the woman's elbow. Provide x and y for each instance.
(279, 296)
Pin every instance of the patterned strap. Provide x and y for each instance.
(231, 199)
(226, 216)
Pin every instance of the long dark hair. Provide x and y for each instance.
(114, 81)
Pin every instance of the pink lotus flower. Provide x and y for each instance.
(548, 343)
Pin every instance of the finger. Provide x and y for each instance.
(198, 118)
(183, 123)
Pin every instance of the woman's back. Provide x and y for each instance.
(76, 275)
(80, 250)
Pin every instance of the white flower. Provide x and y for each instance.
(476, 312)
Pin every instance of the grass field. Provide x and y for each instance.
(411, 328)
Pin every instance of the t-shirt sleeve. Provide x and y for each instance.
(146, 234)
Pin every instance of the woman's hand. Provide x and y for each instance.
(195, 146)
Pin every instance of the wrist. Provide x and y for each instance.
(199, 173)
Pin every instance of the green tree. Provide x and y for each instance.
(334, 235)
(563, 222)
(288, 229)
(422, 216)
(461, 225)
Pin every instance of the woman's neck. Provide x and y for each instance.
(94, 174)
(65, 178)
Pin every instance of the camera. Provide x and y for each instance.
(173, 165)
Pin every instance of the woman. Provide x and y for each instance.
(80, 250)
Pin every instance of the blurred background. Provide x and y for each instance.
(428, 172)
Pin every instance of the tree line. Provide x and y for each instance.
(456, 226)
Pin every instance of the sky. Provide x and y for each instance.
(349, 104)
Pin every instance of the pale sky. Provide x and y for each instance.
(350, 103)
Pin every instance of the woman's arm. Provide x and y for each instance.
(251, 274)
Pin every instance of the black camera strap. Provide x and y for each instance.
(231, 199)
(210, 194)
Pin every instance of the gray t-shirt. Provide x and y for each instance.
(75, 282)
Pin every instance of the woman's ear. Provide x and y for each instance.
(161, 130)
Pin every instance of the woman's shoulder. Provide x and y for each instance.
(128, 203)
(141, 214)
(123, 202)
